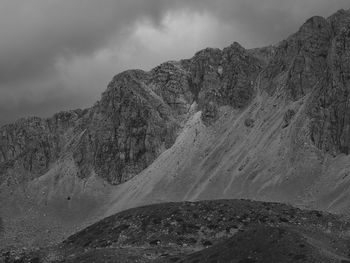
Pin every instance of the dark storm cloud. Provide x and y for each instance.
(35, 32)
(47, 45)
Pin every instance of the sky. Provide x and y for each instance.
(60, 54)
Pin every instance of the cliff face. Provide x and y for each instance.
(137, 118)
(299, 61)
(116, 138)
(29, 146)
(223, 77)
(314, 63)
(329, 110)
(126, 130)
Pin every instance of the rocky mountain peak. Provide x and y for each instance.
(339, 19)
(140, 113)
(236, 46)
(223, 77)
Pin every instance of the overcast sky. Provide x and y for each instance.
(61, 54)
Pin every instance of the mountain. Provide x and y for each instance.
(137, 118)
(269, 124)
(285, 141)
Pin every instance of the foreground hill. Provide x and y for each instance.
(206, 231)
(268, 124)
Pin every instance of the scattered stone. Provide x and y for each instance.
(249, 123)
(287, 118)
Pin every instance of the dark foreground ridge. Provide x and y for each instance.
(208, 231)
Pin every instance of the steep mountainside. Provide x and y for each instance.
(288, 143)
(137, 118)
(269, 124)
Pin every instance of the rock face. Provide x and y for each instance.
(116, 138)
(314, 63)
(330, 112)
(29, 146)
(126, 130)
(137, 118)
(299, 61)
(223, 77)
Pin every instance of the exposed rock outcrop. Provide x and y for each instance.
(29, 146)
(329, 109)
(300, 61)
(116, 138)
(223, 77)
(314, 63)
(137, 118)
(127, 129)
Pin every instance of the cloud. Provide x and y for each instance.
(60, 54)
